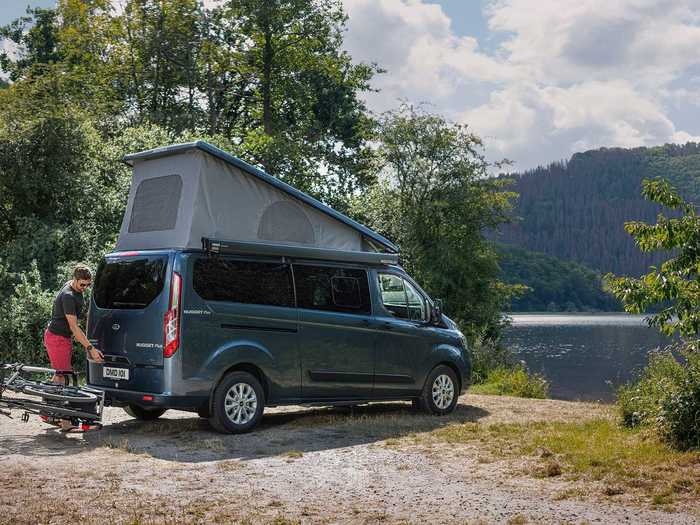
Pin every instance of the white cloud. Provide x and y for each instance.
(569, 74)
(9, 47)
(425, 60)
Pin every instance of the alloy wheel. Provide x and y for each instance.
(240, 403)
(443, 391)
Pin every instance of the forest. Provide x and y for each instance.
(568, 223)
(577, 210)
(266, 80)
(555, 285)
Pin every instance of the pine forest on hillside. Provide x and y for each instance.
(576, 210)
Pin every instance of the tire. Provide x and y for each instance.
(60, 393)
(440, 392)
(238, 403)
(144, 414)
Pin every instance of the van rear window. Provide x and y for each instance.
(129, 283)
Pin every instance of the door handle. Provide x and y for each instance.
(385, 325)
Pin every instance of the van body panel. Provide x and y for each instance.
(337, 354)
(264, 336)
(401, 351)
(452, 354)
(130, 334)
(218, 335)
(145, 379)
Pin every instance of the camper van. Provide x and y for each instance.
(230, 291)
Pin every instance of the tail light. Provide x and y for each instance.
(171, 325)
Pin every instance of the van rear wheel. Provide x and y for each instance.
(142, 413)
(238, 403)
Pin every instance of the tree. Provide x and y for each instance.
(674, 286)
(270, 75)
(435, 201)
(34, 36)
(304, 120)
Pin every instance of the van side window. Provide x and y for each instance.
(400, 298)
(334, 289)
(417, 310)
(249, 282)
(393, 295)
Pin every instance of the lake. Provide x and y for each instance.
(584, 356)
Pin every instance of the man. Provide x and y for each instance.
(67, 310)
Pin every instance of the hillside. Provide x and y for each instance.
(576, 210)
(556, 285)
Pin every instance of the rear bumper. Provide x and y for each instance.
(119, 397)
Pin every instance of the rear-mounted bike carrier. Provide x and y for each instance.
(82, 406)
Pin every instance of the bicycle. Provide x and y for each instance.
(81, 405)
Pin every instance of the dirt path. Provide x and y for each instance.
(307, 465)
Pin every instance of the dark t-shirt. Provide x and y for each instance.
(70, 302)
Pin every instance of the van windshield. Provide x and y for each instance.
(129, 283)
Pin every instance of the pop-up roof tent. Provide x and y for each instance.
(185, 193)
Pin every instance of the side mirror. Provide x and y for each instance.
(437, 311)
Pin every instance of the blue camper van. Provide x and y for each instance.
(305, 306)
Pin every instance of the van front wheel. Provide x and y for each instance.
(238, 403)
(144, 414)
(440, 392)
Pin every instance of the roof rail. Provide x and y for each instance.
(217, 246)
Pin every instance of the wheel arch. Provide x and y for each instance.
(454, 368)
(251, 368)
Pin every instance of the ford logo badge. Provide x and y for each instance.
(115, 327)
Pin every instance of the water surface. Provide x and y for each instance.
(584, 356)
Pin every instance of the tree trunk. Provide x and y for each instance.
(268, 58)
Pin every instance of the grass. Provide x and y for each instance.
(598, 450)
(516, 382)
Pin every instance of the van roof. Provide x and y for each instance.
(252, 170)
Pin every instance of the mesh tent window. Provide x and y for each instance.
(156, 204)
(285, 222)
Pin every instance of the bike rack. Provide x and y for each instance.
(81, 418)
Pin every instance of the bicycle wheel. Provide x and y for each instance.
(60, 393)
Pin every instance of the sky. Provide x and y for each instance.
(538, 80)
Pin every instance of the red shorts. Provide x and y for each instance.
(59, 349)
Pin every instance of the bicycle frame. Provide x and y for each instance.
(16, 383)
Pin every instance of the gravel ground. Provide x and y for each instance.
(301, 464)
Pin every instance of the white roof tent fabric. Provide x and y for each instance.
(183, 193)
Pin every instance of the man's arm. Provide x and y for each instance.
(93, 354)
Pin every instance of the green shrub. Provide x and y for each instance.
(25, 315)
(516, 382)
(488, 355)
(666, 397)
(497, 371)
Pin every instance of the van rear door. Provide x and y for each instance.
(126, 317)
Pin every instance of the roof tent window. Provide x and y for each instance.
(286, 222)
(156, 204)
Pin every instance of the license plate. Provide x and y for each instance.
(109, 372)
